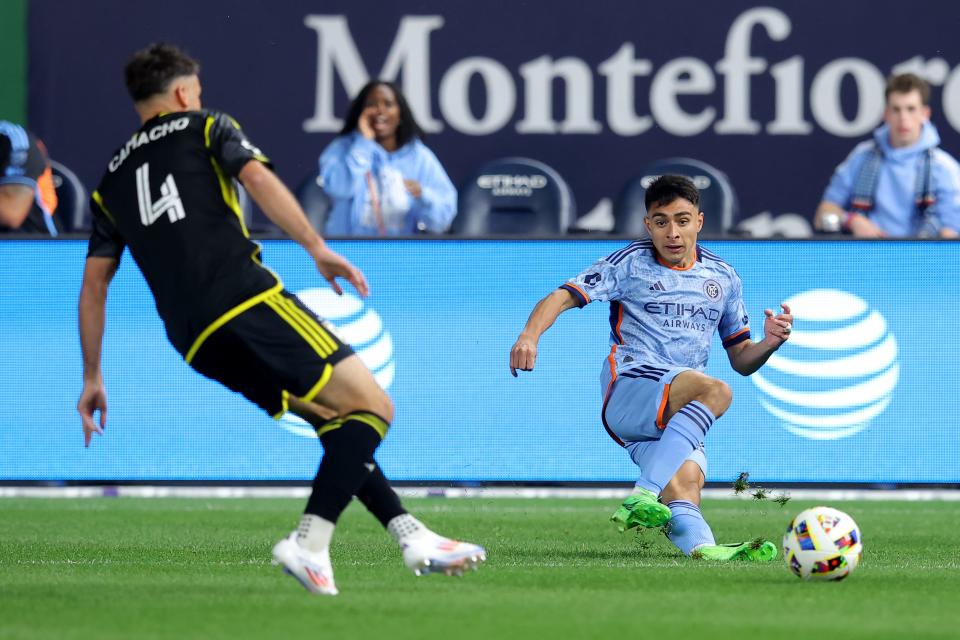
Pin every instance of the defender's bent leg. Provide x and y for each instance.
(351, 415)
(692, 400)
(339, 412)
(695, 401)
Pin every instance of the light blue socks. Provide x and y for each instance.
(687, 529)
(682, 436)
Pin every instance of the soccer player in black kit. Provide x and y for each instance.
(168, 195)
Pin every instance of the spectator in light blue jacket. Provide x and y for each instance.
(901, 183)
(381, 178)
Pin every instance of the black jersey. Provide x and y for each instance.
(169, 195)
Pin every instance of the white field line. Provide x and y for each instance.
(525, 563)
(828, 495)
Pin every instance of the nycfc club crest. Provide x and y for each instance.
(712, 289)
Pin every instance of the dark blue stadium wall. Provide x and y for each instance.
(775, 96)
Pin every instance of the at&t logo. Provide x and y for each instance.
(837, 372)
(358, 326)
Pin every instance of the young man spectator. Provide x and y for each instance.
(900, 183)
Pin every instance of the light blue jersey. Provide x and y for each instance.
(661, 315)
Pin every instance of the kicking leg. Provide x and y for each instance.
(690, 532)
(687, 529)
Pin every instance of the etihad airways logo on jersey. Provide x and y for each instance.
(360, 327)
(139, 139)
(683, 316)
(679, 309)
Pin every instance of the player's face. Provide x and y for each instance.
(905, 113)
(673, 228)
(385, 113)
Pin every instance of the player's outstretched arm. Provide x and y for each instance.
(523, 355)
(282, 208)
(747, 357)
(97, 275)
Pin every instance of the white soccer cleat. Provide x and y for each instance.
(430, 553)
(312, 570)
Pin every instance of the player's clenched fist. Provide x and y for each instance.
(523, 355)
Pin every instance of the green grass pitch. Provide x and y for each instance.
(192, 568)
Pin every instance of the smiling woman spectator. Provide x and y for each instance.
(380, 176)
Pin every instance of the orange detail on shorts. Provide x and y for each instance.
(48, 192)
(606, 397)
(663, 407)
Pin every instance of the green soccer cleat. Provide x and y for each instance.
(753, 551)
(641, 510)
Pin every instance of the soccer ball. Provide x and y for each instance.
(822, 544)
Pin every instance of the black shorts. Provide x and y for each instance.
(276, 349)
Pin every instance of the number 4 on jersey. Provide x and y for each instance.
(169, 202)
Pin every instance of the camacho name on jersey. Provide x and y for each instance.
(169, 196)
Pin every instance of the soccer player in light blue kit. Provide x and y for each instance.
(667, 296)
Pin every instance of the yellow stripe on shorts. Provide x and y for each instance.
(274, 304)
(228, 316)
(310, 323)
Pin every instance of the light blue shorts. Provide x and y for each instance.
(633, 410)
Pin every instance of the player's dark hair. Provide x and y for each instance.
(905, 83)
(407, 129)
(666, 189)
(150, 71)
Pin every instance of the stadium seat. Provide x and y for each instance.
(314, 200)
(718, 201)
(73, 206)
(514, 196)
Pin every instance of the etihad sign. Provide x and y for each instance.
(728, 81)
